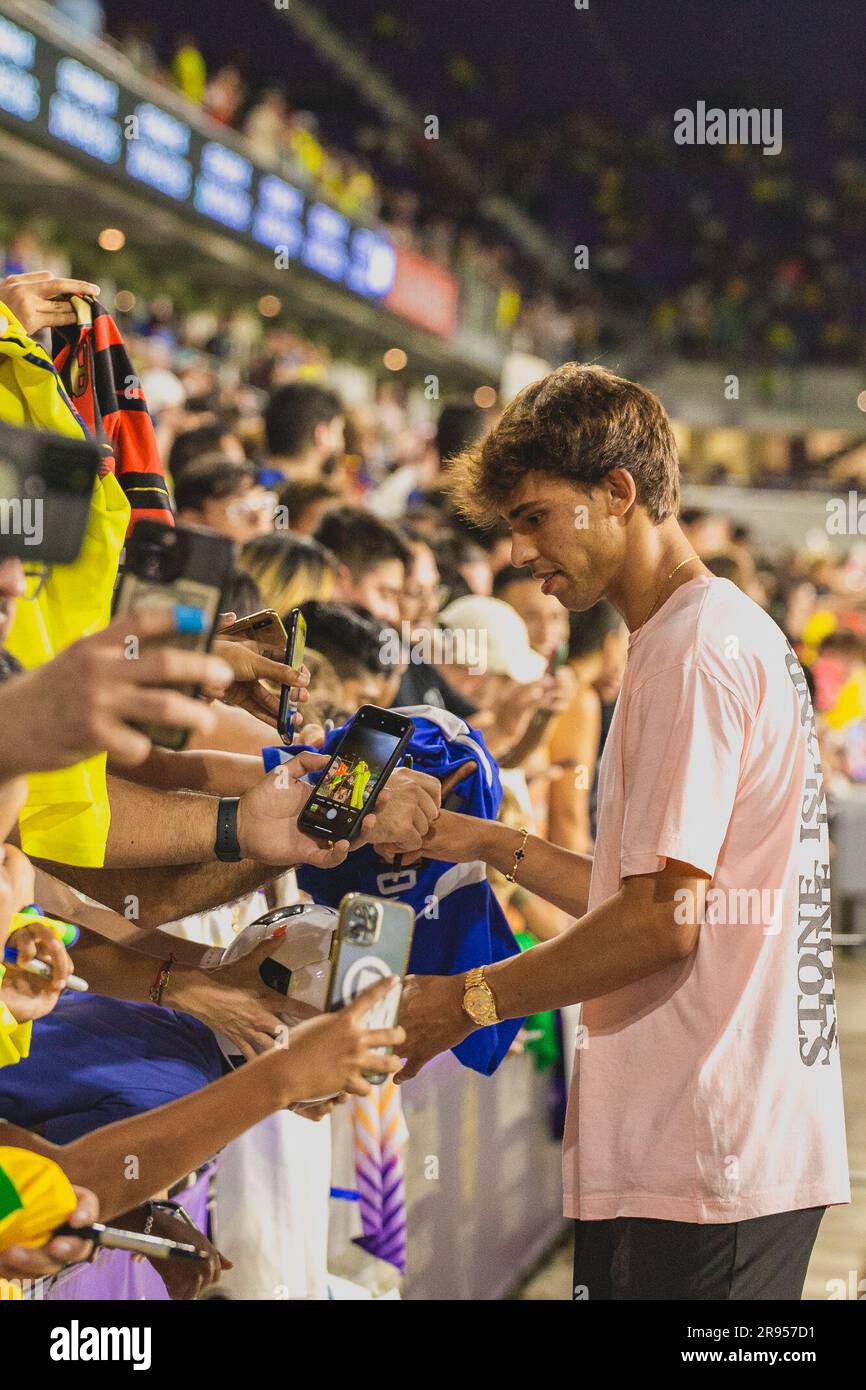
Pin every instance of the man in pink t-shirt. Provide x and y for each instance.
(705, 1134)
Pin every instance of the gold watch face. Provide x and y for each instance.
(478, 1003)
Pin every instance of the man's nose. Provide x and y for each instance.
(523, 552)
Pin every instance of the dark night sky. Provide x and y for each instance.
(635, 54)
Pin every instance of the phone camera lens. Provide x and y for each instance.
(363, 925)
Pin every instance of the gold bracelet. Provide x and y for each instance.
(519, 854)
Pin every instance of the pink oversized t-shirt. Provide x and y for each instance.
(711, 1091)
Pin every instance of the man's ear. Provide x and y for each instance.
(322, 435)
(620, 491)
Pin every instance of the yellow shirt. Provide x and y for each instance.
(67, 815)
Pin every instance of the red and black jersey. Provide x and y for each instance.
(95, 368)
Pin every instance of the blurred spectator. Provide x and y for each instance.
(215, 491)
(841, 671)
(266, 125)
(224, 94)
(489, 662)
(204, 439)
(189, 70)
(419, 605)
(710, 534)
(351, 643)
(241, 595)
(545, 618)
(306, 502)
(304, 429)
(727, 567)
(423, 682)
(460, 424)
(289, 570)
(373, 560)
(463, 566)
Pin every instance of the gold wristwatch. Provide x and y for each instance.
(478, 999)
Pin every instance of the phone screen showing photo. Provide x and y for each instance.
(350, 778)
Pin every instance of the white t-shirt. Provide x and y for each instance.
(711, 1091)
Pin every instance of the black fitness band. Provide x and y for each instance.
(226, 847)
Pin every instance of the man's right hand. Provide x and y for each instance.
(84, 700)
(41, 300)
(330, 1054)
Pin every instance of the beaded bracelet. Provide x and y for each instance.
(163, 975)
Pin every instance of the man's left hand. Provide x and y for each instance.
(251, 669)
(407, 806)
(186, 1279)
(431, 1012)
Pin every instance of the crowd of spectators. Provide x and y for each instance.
(114, 1103)
(345, 515)
(704, 253)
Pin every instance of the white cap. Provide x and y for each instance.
(503, 634)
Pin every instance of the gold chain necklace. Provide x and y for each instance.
(686, 561)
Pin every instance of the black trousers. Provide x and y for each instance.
(633, 1257)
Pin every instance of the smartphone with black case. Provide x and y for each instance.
(296, 644)
(373, 941)
(46, 488)
(170, 565)
(360, 766)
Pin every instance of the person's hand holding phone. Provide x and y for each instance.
(85, 700)
(330, 1054)
(268, 818)
(184, 1280)
(250, 669)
